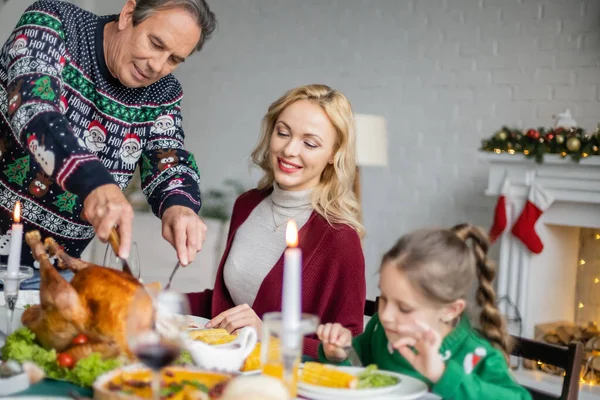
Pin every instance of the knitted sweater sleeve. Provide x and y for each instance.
(490, 379)
(35, 55)
(169, 173)
(343, 287)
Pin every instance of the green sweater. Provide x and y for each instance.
(474, 368)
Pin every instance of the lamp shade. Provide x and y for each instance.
(371, 140)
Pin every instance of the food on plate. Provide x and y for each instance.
(21, 346)
(255, 388)
(212, 336)
(176, 383)
(370, 378)
(328, 376)
(318, 374)
(252, 362)
(77, 332)
(94, 303)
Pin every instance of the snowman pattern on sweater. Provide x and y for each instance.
(5, 243)
(43, 156)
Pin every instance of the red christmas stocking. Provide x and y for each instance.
(500, 213)
(538, 202)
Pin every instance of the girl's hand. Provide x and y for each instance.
(427, 360)
(334, 337)
(236, 318)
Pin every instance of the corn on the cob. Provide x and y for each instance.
(208, 332)
(252, 362)
(212, 336)
(321, 375)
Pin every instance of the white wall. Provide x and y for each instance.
(445, 74)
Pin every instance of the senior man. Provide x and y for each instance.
(84, 100)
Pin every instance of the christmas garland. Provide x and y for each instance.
(572, 142)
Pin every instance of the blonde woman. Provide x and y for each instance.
(307, 152)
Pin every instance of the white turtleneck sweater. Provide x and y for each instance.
(260, 241)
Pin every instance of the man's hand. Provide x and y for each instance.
(105, 207)
(186, 232)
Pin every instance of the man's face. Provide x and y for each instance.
(145, 53)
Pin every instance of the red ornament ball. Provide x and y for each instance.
(532, 133)
(549, 136)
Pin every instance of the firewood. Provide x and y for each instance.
(551, 369)
(595, 364)
(589, 344)
(529, 364)
(565, 334)
(551, 338)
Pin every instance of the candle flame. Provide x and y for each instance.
(17, 212)
(291, 234)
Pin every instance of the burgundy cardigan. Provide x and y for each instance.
(333, 274)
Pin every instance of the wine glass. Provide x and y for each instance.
(111, 260)
(157, 329)
(11, 282)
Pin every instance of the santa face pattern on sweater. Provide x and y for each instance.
(69, 129)
(19, 46)
(94, 137)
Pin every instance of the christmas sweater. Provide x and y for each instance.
(67, 126)
(474, 368)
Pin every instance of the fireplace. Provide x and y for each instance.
(558, 284)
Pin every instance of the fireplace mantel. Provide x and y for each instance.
(568, 181)
(543, 286)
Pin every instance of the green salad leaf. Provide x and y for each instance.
(370, 378)
(185, 358)
(21, 346)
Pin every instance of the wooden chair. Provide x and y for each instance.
(371, 307)
(568, 358)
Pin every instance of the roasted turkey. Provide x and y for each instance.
(95, 303)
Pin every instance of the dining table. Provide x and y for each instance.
(52, 389)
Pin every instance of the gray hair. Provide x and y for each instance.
(197, 8)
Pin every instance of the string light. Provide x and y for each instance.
(526, 152)
(596, 280)
(581, 262)
(597, 236)
(580, 305)
(498, 151)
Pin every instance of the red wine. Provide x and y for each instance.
(157, 355)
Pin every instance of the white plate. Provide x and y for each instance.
(37, 398)
(408, 388)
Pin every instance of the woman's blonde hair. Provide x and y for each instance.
(333, 197)
(442, 265)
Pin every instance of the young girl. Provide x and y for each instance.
(420, 329)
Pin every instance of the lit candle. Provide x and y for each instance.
(14, 256)
(291, 295)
